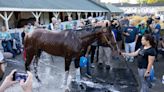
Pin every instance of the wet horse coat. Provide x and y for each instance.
(65, 44)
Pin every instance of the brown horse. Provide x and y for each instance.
(65, 44)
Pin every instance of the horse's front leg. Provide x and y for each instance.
(78, 75)
(67, 66)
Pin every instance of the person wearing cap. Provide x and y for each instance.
(156, 29)
(156, 32)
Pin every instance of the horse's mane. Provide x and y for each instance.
(82, 33)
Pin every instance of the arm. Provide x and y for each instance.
(150, 63)
(157, 28)
(162, 43)
(131, 54)
(7, 82)
(125, 33)
(136, 38)
(88, 49)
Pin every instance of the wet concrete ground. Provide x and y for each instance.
(118, 79)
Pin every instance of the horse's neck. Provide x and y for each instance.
(89, 38)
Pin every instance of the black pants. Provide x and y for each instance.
(160, 51)
(92, 52)
(138, 44)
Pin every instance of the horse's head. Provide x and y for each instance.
(107, 37)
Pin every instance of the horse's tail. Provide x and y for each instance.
(25, 40)
(25, 46)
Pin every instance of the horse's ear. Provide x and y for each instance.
(107, 24)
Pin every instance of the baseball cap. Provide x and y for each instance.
(157, 17)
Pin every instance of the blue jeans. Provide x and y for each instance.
(8, 47)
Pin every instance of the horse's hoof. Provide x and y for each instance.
(82, 87)
(67, 89)
(107, 67)
(62, 86)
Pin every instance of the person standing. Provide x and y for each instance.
(131, 36)
(6, 41)
(53, 25)
(105, 50)
(156, 28)
(141, 31)
(23, 35)
(145, 58)
(69, 25)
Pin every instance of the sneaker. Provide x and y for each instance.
(127, 59)
(100, 64)
(107, 67)
(131, 60)
(92, 65)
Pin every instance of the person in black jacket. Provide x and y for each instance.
(23, 35)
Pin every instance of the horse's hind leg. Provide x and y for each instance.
(35, 63)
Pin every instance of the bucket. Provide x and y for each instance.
(163, 79)
(152, 77)
(83, 61)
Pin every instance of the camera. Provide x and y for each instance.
(17, 76)
(149, 21)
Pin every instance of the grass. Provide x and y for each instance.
(162, 32)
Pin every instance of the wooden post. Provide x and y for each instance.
(56, 14)
(6, 18)
(100, 14)
(96, 14)
(37, 15)
(69, 14)
(92, 14)
(79, 15)
(86, 15)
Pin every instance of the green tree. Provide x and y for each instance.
(148, 1)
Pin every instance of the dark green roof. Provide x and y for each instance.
(108, 6)
(113, 8)
(50, 5)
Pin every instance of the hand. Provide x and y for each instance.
(147, 74)
(127, 34)
(27, 85)
(123, 54)
(86, 55)
(8, 81)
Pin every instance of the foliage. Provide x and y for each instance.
(148, 1)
